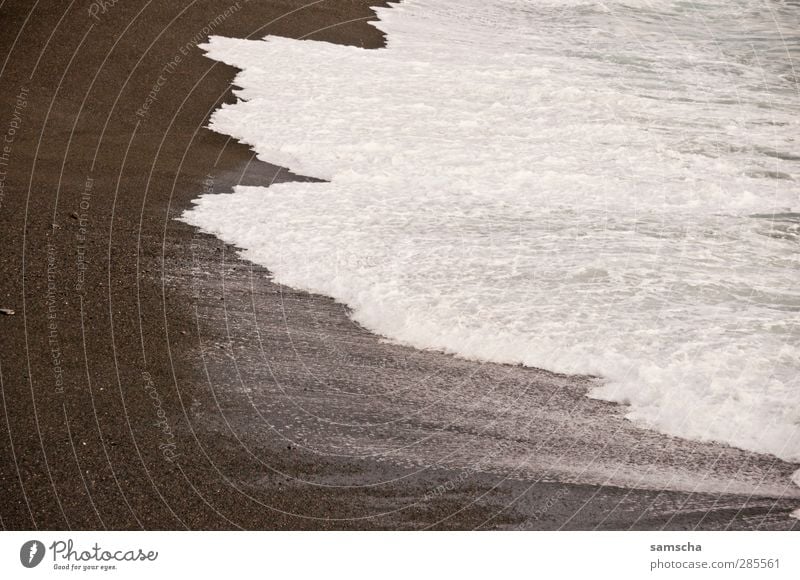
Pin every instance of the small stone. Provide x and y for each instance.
(74, 215)
(7, 311)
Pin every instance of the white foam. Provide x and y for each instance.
(566, 185)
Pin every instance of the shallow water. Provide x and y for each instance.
(608, 189)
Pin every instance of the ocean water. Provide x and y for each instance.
(606, 188)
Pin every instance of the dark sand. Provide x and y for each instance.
(151, 379)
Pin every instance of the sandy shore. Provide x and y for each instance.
(151, 379)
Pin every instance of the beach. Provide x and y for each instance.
(153, 379)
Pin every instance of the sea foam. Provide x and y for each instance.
(605, 189)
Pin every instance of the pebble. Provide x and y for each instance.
(7, 311)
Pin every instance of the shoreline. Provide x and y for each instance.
(152, 379)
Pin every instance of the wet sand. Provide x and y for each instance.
(151, 379)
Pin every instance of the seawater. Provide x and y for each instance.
(606, 188)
